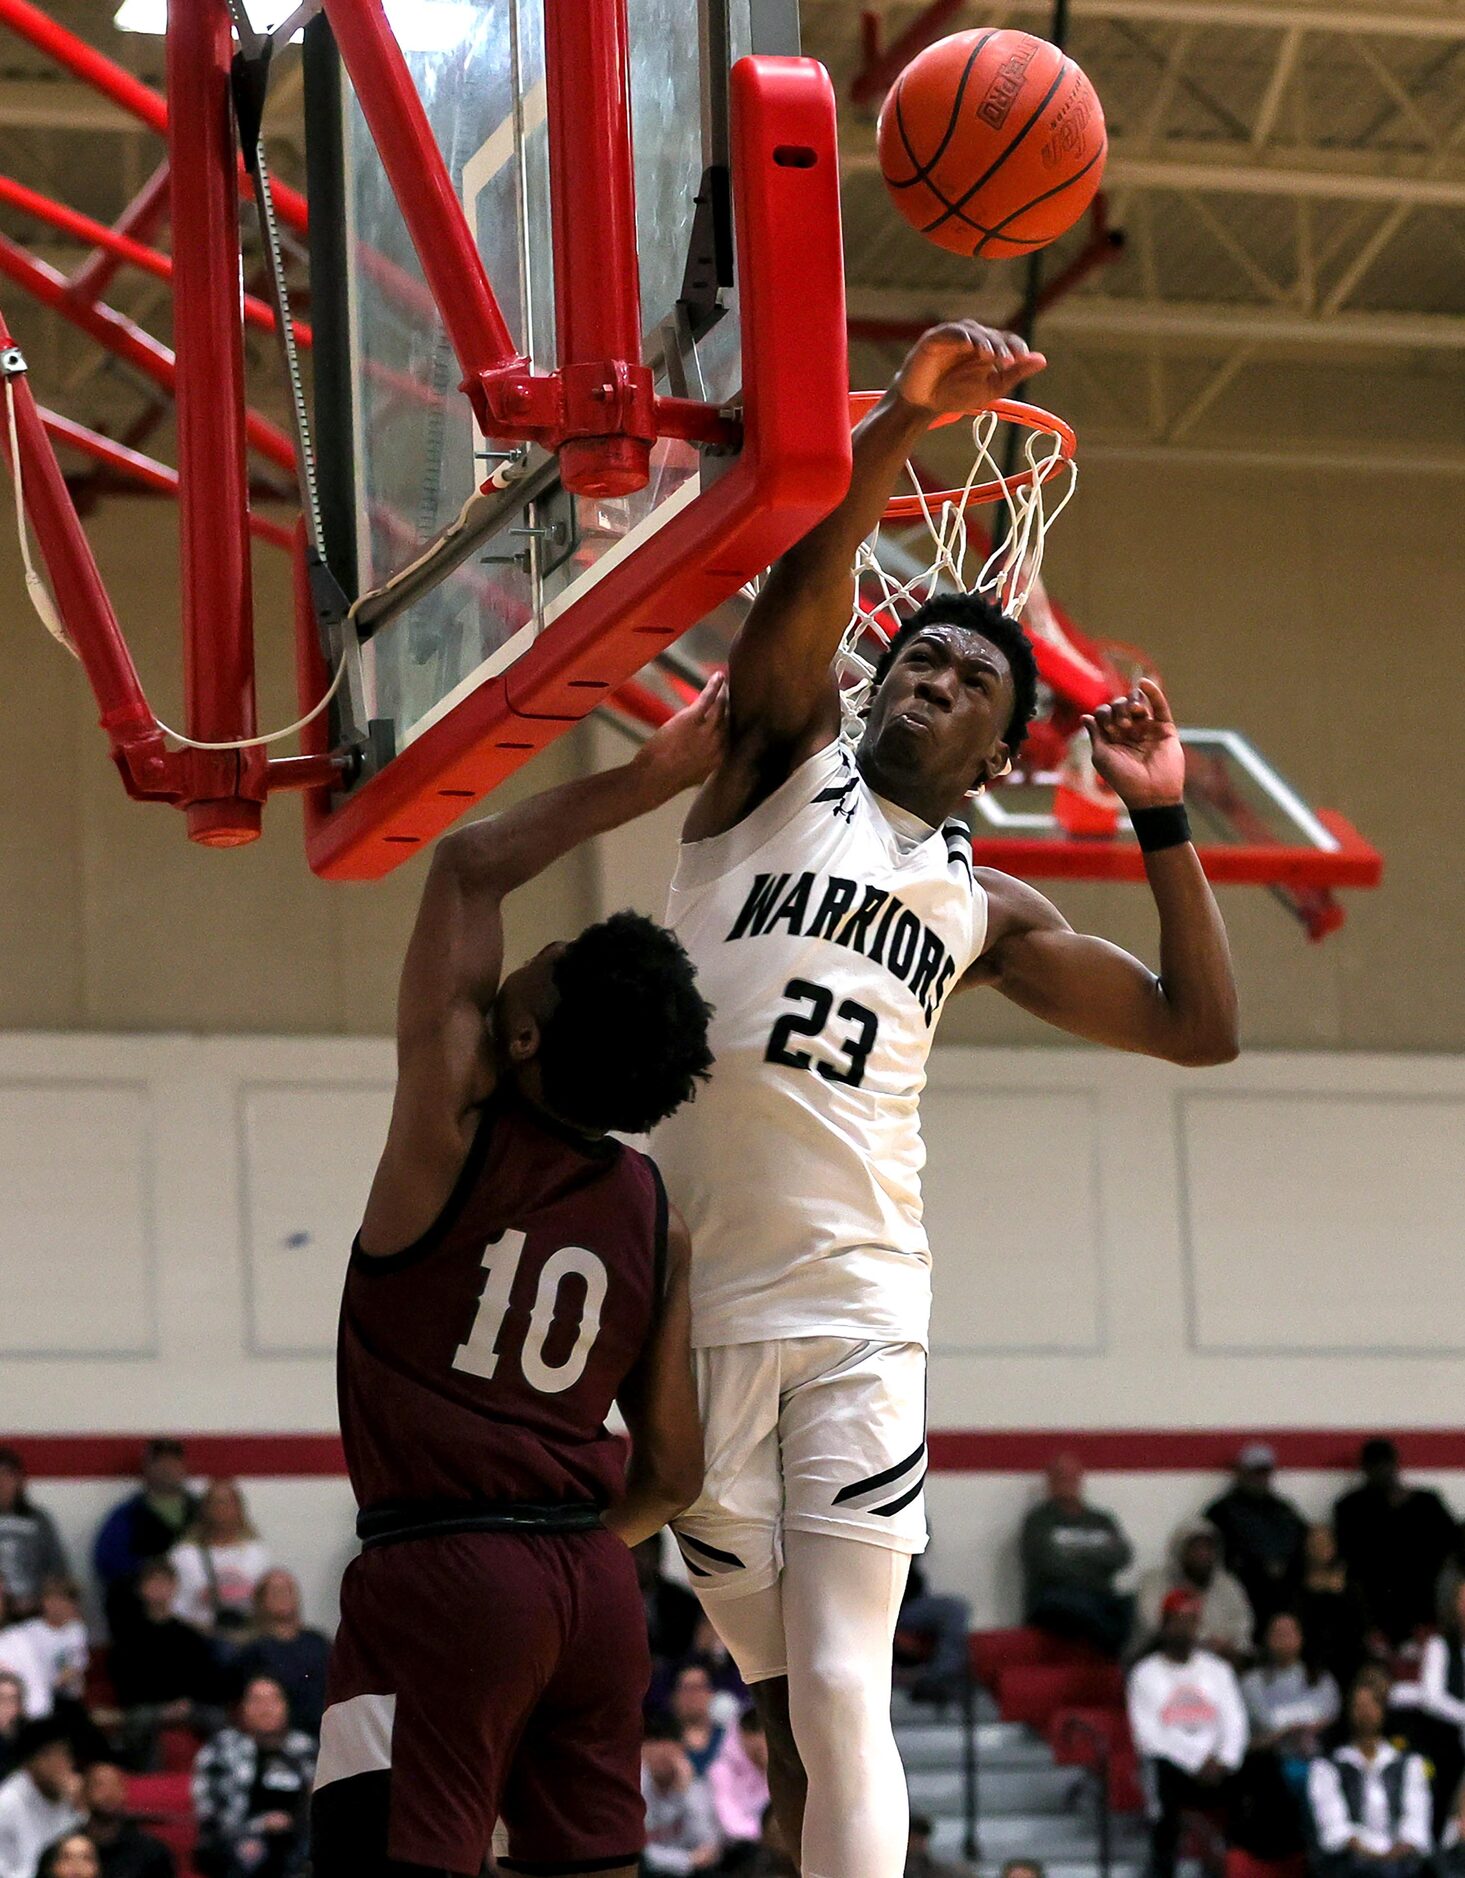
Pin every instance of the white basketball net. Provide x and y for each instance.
(1008, 575)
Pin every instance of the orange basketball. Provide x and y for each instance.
(992, 143)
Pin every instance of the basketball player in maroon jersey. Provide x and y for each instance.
(515, 1275)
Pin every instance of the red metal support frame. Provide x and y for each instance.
(145, 471)
(793, 468)
(424, 189)
(139, 221)
(123, 249)
(81, 597)
(881, 69)
(128, 342)
(113, 81)
(217, 584)
(597, 269)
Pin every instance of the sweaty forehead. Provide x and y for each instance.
(960, 642)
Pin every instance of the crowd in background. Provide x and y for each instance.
(1296, 1689)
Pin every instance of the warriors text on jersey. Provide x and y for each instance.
(480, 1364)
(828, 928)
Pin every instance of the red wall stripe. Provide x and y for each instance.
(953, 1451)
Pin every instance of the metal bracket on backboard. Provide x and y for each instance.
(709, 266)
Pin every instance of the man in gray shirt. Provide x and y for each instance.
(1071, 1554)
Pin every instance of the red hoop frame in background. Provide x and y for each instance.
(598, 409)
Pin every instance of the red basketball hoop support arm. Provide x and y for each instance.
(213, 490)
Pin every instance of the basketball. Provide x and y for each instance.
(992, 143)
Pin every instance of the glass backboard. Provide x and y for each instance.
(402, 462)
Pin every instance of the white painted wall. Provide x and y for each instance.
(1118, 1245)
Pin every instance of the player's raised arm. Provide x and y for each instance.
(784, 704)
(1185, 1014)
(659, 1403)
(445, 1054)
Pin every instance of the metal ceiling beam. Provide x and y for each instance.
(36, 104)
(1201, 169)
(1403, 22)
(1096, 316)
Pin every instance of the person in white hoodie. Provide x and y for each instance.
(1189, 1726)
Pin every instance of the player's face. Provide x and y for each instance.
(938, 719)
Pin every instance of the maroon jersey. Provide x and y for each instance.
(478, 1366)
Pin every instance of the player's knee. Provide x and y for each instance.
(837, 1694)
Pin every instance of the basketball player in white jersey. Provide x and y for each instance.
(829, 900)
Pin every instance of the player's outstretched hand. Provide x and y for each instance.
(689, 746)
(1137, 749)
(960, 368)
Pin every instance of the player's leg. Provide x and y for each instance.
(841, 1601)
(788, 1783)
(572, 1798)
(853, 1456)
(732, 1544)
(440, 1655)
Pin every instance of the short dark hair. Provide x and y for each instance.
(974, 613)
(1378, 1452)
(162, 1446)
(9, 1458)
(921, 1826)
(627, 1043)
(661, 1727)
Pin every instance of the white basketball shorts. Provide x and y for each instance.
(817, 1434)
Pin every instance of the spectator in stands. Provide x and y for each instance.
(737, 1781)
(945, 1621)
(39, 1800)
(12, 1720)
(1071, 1554)
(1189, 1726)
(921, 1861)
(49, 1652)
(1195, 1568)
(1370, 1803)
(691, 1706)
(125, 1850)
(1290, 1702)
(146, 1525)
(219, 1562)
(1331, 1608)
(251, 1789)
(74, 1856)
(30, 1546)
(164, 1674)
(1441, 1697)
(1395, 1540)
(681, 1829)
(672, 1613)
(1262, 1535)
(285, 1648)
(1024, 1868)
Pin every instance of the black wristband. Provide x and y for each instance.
(1167, 827)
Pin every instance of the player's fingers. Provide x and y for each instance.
(1159, 704)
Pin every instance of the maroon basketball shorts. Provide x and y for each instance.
(478, 1677)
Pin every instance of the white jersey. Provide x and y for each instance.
(828, 929)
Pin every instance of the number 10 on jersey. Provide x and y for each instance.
(479, 1354)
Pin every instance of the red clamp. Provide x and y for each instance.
(600, 417)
